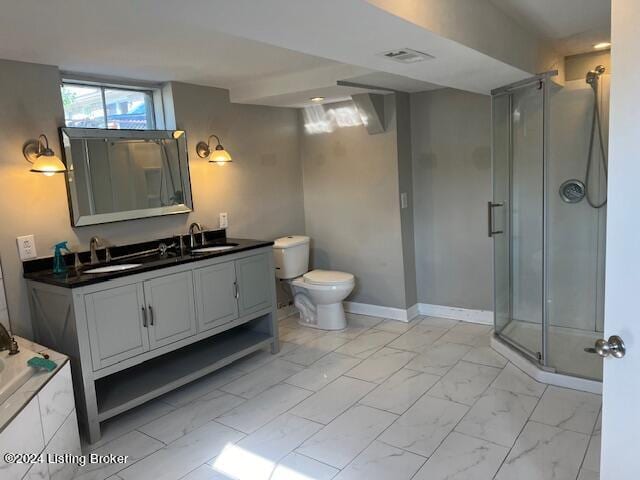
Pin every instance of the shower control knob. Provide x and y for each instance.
(614, 347)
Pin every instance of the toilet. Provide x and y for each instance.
(317, 294)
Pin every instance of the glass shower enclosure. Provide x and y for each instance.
(548, 251)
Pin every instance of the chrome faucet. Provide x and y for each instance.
(192, 236)
(94, 244)
(7, 342)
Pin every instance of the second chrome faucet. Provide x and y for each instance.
(194, 228)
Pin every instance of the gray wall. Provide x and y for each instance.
(261, 190)
(352, 213)
(577, 66)
(451, 142)
(405, 184)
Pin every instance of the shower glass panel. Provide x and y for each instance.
(549, 251)
(517, 215)
(499, 225)
(576, 231)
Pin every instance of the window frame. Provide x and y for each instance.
(154, 90)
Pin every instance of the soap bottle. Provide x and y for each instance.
(59, 265)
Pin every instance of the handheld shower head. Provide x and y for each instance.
(594, 75)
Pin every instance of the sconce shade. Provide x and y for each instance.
(218, 155)
(42, 158)
(48, 165)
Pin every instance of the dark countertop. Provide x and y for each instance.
(75, 279)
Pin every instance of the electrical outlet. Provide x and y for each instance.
(224, 220)
(27, 247)
(404, 200)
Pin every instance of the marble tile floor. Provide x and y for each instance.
(381, 400)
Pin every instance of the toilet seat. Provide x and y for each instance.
(327, 277)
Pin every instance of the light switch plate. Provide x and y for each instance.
(27, 247)
(224, 220)
(404, 200)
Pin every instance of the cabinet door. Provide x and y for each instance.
(170, 308)
(255, 283)
(116, 320)
(216, 302)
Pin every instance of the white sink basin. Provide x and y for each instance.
(114, 268)
(212, 249)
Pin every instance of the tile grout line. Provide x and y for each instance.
(520, 433)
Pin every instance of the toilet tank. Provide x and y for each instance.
(291, 256)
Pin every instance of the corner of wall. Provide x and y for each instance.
(405, 188)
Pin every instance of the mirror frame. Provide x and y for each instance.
(67, 134)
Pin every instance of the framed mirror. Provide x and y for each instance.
(116, 175)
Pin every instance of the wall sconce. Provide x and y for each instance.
(218, 155)
(42, 158)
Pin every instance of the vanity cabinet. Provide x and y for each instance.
(139, 336)
(170, 309)
(127, 321)
(115, 320)
(254, 281)
(216, 295)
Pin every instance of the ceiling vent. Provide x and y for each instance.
(406, 55)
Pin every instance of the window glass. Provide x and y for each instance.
(95, 106)
(83, 106)
(130, 109)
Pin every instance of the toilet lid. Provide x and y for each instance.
(327, 277)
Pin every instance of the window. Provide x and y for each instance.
(100, 106)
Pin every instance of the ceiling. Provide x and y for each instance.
(122, 49)
(283, 53)
(216, 43)
(573, 25)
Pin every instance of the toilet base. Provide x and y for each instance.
(327, 317)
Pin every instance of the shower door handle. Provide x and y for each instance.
(490, 207)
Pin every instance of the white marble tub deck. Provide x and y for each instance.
(21, 397)
(381, 400)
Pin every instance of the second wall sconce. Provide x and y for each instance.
(216, 155)
(41, 157)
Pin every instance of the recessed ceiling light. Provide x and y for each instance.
(317, 99)
(602, 45)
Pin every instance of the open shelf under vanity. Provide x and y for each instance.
(134, 386)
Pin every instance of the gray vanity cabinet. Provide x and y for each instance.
(126, 321)
(116, 324)
(255, 279)
(170, 308)
(136, 337)
(216, 292)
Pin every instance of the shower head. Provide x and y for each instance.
(594, 75)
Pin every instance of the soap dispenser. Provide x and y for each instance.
(59, 265)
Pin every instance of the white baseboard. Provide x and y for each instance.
(484, 317)
(405, 315)
(464, 314)
(382, 312)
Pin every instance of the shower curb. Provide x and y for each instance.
(543, 376)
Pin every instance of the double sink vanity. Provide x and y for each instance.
(157, 316)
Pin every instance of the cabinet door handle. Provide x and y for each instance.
(236, 290)
(144, 317)
(150, 315)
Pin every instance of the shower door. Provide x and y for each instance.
(517, 213)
